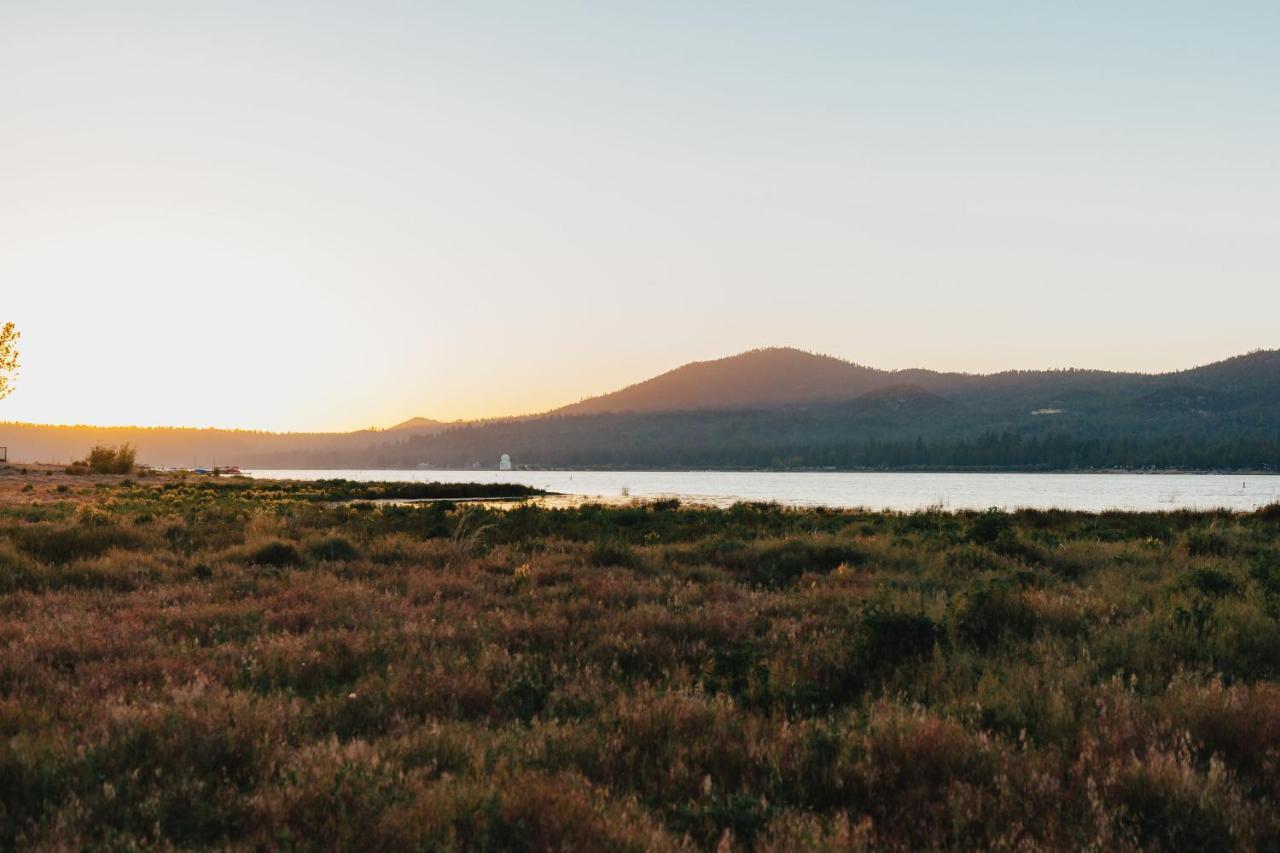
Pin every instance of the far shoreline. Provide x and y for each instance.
(1239, 472)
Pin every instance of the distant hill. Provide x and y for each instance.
(783, 376)
(785, 408)
(761, 378)
(417, 425)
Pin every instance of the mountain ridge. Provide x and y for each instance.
(771, 376)
(780, 407)
(844, 415)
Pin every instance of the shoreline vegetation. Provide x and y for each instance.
(1247, 472)
(201, 662)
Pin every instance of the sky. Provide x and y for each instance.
(334, 215)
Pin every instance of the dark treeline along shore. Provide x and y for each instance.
(269, 665)
(787, 409)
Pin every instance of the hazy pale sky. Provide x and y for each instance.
(330, 215)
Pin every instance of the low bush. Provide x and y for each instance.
(1211, 582)
(991, 613)
(63, 543)
(990, 526)
(612, 552)
(777, 564)
(1163, 803)
(19, 571)
(274, 552)
(104, 459)
(1265, 570)
(1206, 542)
(333, 548)
(888, 638)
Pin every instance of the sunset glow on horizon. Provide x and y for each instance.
(293, 218)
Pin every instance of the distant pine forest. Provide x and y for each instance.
(813, 440)
(1004, 450)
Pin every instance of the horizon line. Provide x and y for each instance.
(551, 411)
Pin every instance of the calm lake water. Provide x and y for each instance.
(873, 490)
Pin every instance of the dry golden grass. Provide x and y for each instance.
(232, 665)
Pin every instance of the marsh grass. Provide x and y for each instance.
(254, 666)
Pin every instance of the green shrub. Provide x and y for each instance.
(989, 526)
(1206, 542)
(18, 571)
(735, 668)
(275, 552)
(34, 772)
(970, 557)
(524, 693)
(333, 549)
(1211, 582)
(775, 565)
(888, 638)
(1166, 814)
(739, 816)
(104, 459)
(1266, 571)
(1270, 512)
(59, 544)
(991, 613)
(612, 552)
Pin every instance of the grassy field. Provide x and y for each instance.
(240, 664)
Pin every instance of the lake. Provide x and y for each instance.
(896, 491)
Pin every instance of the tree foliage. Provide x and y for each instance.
(104, 459)
(9, 335)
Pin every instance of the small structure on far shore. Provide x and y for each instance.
(504, 464)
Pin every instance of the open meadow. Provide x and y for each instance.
(256, 664)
